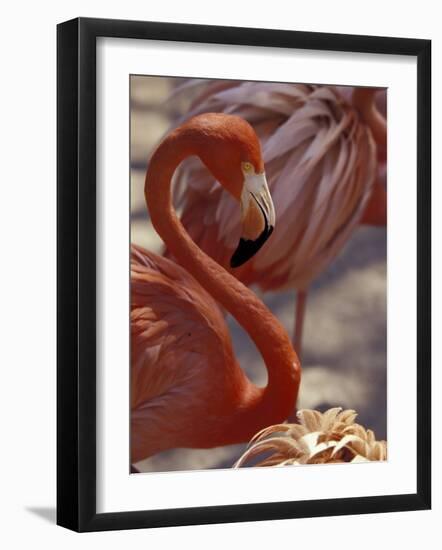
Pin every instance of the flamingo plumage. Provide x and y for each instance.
(187, 389)
(322, 154)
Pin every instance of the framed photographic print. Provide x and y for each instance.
(243, 274)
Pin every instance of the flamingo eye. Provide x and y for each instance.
(247, 167)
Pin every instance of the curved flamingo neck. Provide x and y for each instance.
(262, 406)
(363, 100)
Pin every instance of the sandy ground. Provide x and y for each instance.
(344, 356)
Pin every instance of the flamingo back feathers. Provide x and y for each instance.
(183, 367)
(320, 163)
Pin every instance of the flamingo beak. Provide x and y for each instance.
(257, 217)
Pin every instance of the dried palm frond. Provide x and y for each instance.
(329, 437)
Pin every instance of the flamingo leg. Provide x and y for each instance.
(301, 300)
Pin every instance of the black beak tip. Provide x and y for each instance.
(247, 248)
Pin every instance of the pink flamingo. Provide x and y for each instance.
(187, 389)
(321, 160)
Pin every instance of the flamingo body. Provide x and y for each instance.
(185, 380)
(320, 159)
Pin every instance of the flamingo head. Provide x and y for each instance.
(257, 214)
(230, 149)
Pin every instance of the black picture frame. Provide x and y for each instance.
(76, 273)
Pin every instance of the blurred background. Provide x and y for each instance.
(344, 340)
